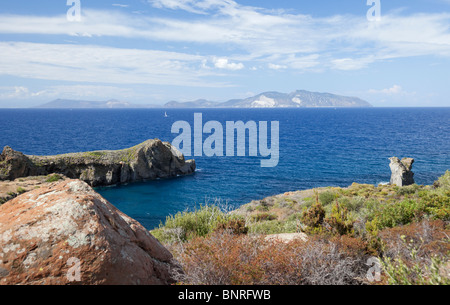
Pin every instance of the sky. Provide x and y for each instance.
(392, 53)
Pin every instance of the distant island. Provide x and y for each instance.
(79, 104)
(297, 99)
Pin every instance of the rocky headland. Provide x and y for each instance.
(150, 160)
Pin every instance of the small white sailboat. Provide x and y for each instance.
(165, 115)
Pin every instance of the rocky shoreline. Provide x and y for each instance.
(54, 225)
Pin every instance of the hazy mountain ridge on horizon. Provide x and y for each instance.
(296, 99)
(82, 104)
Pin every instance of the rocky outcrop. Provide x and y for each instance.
(14, 164)
(147, 161)
(401, 171)
(66, 233)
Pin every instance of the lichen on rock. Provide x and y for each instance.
(43, 231)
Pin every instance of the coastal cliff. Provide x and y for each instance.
(150, 160)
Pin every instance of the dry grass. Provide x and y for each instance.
(225, 259)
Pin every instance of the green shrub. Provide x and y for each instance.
(431, 203)
(267, 227)
(95, 154)
(233, 226)
(370, 206)
(274, 227)
(436, 204)
(356, 203)
(444, 181)
(374, 243)
(408, 190)
(263, 217)
(53, 178)
(327, 197)
(262, 207)
(294, 217)
(187, 225)
(340, 221)
(400, 213)
(161, 235)
(250, 208)
(344, 202)
(313, 217)
(308, 202)
(21, 190)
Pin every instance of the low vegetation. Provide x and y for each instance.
(406, 228)
(20, 190)
(53, 178)
(185, 226)
(11, 189)
(223, 258)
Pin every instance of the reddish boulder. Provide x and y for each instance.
(66, 233)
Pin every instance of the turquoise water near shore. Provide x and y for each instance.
(318, 147)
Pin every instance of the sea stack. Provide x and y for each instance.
(401, 171)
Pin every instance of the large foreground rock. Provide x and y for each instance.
(401, 171)
(147, 161)
(47, 233)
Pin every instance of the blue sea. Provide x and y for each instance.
(318, 147)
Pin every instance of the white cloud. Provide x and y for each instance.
(394, 90)
(223, 63)
(82, 92)
(337, 42)
(77, 63)
(276, 67)
(195, 6)
(351, 63)
(13, 92)
(257, 37)
(87, 91)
